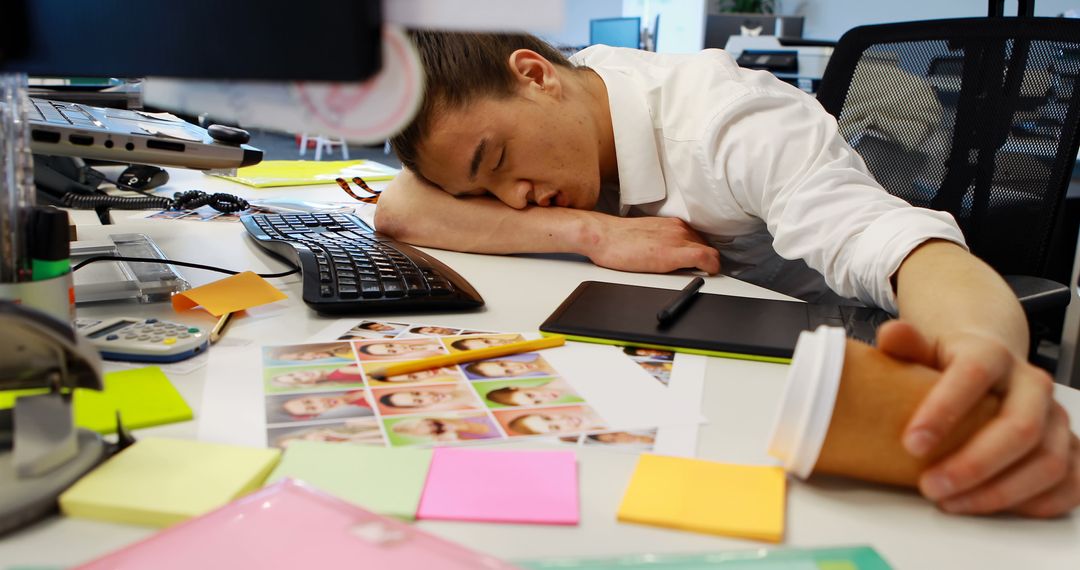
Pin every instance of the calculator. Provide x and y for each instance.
(143, 340)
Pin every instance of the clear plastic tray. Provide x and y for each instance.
(121, 280)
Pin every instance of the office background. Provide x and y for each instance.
(682, 20)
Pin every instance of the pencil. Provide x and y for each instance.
(219, 329)
(467, 356)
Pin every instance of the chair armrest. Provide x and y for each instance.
(1037, 294)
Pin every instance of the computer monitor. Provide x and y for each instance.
(616, 32)
(318, 40)
(719, 27)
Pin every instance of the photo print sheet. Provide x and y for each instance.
(324, 391)
(688, 370)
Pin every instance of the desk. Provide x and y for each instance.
(520, 291)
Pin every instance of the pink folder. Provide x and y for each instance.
(539, 487)
(289, 526)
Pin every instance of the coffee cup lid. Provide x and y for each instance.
(807, 404)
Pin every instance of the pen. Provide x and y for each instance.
(467, 356)
(50, 245)
(680, 301)
(219, 329)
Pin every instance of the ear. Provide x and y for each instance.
(534, 72)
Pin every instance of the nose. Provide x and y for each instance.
(516, 194)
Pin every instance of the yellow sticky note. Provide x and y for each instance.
(143, 396)
(234, 293)
(160, 482)
(706, 496)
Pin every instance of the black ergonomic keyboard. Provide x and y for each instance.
(348, 268)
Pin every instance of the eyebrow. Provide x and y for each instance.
(477, 157)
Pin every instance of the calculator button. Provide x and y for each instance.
(151, 321)
(144, 337)
(156, 339)
(184, 335)
(169, 340)
(193, 330)
(111, 337)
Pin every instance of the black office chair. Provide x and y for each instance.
(979, 117)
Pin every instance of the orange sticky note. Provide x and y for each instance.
(235, 293)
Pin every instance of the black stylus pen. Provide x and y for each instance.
(679, 302)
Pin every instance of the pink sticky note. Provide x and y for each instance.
(501, 486)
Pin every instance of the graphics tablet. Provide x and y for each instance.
(713, 325)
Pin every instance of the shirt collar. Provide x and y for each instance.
(641, 178)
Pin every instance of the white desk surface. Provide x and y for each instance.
(520, 291)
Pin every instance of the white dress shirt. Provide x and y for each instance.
(756, 166)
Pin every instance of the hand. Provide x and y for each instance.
(649, 245)
(1025, 461)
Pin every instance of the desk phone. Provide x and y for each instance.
(143, 340)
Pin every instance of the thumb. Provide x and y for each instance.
(902, 341)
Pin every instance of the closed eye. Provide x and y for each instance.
(502, 156)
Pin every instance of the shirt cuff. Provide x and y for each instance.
(885, 244)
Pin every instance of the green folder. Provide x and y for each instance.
(143, 396)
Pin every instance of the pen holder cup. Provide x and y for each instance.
(54, 297)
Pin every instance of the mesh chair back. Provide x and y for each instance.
(978, 117)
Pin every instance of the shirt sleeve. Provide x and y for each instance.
(780, 155)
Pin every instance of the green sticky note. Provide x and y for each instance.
(160, 482)
(144, 397)
(383, 480)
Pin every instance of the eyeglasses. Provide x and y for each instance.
(374, 198)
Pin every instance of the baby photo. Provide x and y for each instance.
(473, 342)
(308, 378)
(363, 431)
(549, 421)
(526, 393)
(642, 353)
(436, 428)
(373, 329)
(318, 353)
(659, 370)
(398, 349)
(289, 408)
(524, 365)
(430, 376)
(431, 330)
(422, 399)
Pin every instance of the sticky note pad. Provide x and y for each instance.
(143, 396)
(501, 486)
(383, 480)
(234, 293)
(706, 496)
(159, 482)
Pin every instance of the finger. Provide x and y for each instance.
(1040, 471)
(1016, 430)
(1062, 498)
(967, 377)
(708, 260)
(902, 341)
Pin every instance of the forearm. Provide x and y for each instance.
(420, 214)
(942, 290)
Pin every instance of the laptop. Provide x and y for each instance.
(127, 136)
(714, 325)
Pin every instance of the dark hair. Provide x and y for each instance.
(503, 395)
(387, 400)
(459, 68)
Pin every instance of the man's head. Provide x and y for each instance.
(508, 115)
(299, 378)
